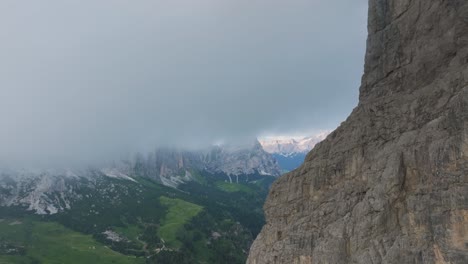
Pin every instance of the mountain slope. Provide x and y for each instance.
(390, 184)
(207, 220)
(169, 206)
(171, 166)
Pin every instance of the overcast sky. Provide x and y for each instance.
(83, 80)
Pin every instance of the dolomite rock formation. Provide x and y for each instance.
(390, 185)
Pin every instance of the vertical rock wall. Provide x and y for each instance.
(390, 185)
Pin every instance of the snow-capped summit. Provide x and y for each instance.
(291, 151)
(287, 146)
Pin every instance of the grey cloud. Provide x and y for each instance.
(86, 80)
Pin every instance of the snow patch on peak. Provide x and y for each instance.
(116, 174)
(264, 173)
(288, 146)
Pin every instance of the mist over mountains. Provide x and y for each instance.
(84, 81)
(153, 206)
(127, 126)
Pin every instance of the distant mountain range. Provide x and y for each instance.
(168, 167)
(291, 151)
(166, 206)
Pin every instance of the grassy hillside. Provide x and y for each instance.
(233, 187)
(31, 241)
(179, 213)
(204, 221)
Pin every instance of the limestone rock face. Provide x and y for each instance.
(390, 185)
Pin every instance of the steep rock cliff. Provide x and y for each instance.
(390, 185)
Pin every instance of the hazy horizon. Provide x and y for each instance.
(84, 81)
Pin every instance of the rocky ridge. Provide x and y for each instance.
(390, 185)
(171, 166)
(54, 191)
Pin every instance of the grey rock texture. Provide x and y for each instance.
(43, 193)
(172, 167)
(390, 185)
(242, 160)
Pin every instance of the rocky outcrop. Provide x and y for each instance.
(390, 185)
(244, 160)
(42, 193)
(172, 167)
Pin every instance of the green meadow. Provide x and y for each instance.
(178, 214)
(49, 242)
(233, 187)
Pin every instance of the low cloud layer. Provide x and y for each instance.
(87, 80)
